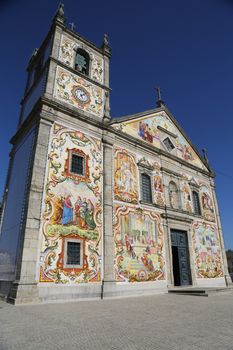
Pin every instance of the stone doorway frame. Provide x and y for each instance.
(179, 223)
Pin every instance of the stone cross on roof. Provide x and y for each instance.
(159, 101)
(72, 25)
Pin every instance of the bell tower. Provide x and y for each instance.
(67, 91)
(69, 70)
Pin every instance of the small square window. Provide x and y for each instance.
(168, 144)
(77, 164)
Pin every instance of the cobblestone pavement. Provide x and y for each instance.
(151, 322)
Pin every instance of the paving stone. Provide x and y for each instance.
(160, 322)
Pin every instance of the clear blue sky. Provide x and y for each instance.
(186, 47)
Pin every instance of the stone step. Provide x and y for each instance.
(198, 291)
(186, 290)
(193, 294)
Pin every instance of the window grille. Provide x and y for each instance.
(146, 188)
(77, 164)
(73, 253)
(196, 203)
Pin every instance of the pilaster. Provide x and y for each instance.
(24, 288)
(107, 54)
(109, 275)
(52, 65)
(225, 265)
(168, 252)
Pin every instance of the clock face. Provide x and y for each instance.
(81, 94)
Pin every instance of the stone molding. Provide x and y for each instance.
(172, 172)
(166, 131)
(176, 218)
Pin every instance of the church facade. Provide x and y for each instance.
(98, 207)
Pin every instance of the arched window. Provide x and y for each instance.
(82, 61)
(146, 188)
(196, 203)
(174, 195)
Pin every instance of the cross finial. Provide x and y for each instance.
(72, 25)
(159, 101)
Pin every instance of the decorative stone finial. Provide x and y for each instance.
(207, 163)
(60, 10)
(35, 52)
(205, 156)
(59, 17)
(105, 46)
(106, 40)
(159, 101)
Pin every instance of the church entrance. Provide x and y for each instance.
(180, 258)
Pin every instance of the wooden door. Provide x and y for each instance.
(180, 258)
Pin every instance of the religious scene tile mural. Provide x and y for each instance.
(78, 92)
(147, 130)
(139, 245)
(207, 203)
(67, 54)
(125, 176)
(158, 188)
(71, 245)
(206, 245)
(186, 192)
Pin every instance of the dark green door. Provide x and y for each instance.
(180, 258)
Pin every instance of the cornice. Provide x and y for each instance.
(184, 212)
(37, 113)
(123, 136)
(28, 123)
(156, 150)
(169, 171)
(144, 164)
(71, 70)
(176, 218)
(76, 114)
(163, 108)
(129, 117)
(35, 83)
(153, 205)
(84, 40)
(41, 47)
